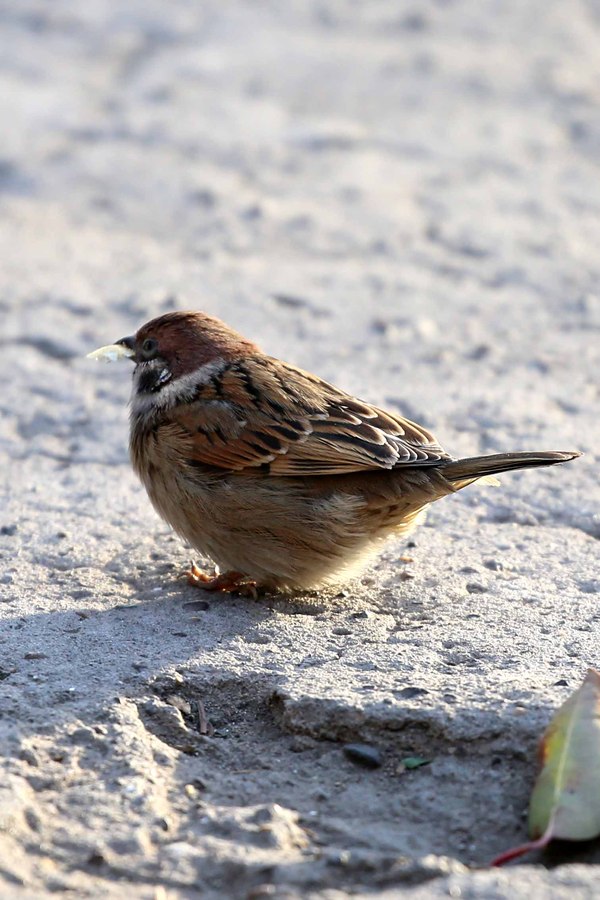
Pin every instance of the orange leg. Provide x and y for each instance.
(233, 582)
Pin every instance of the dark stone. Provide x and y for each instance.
(363, 755)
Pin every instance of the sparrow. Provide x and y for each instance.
(285, 481)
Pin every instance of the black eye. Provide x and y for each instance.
(149, 348)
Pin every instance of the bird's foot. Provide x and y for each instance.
(231, 582)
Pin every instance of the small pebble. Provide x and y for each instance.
(301, 743)
(474, 587)
(364, 755)
(409, 692)
(96, 858)
(197, 605)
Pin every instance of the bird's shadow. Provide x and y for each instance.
(66, 669)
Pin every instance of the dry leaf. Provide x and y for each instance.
(567, 792)
(565, 802)
(414, 762)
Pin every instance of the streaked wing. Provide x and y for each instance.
(259, 412)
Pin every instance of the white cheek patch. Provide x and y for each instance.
(178, 390)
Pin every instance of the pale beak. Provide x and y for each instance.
(123, 349)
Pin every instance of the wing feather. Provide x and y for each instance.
(296, 425)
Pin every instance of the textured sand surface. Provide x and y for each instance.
(405, 198)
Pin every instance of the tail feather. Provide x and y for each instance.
(466, 470)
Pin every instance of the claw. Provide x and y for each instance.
(195, 575)
(232, 582)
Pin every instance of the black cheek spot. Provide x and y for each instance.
(152, 379)
(146, 381)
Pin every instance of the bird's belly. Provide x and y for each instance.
(277, 530)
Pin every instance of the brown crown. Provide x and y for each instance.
(187, 340)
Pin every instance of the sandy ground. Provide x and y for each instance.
(405, 198)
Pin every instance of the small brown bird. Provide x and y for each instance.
(285, 481)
